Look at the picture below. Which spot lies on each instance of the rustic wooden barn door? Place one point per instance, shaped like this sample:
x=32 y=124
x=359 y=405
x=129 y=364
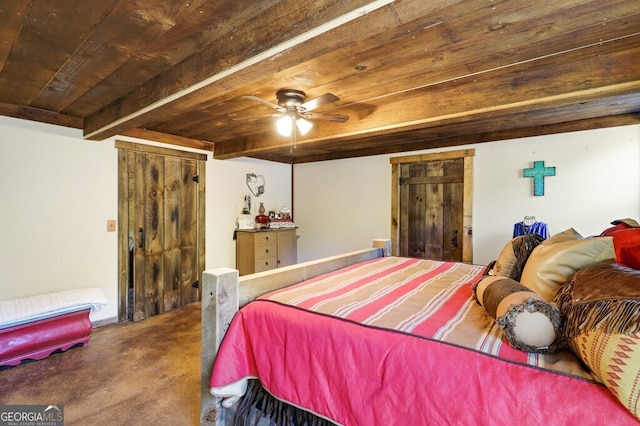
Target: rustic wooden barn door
x=163 y=199
x=431 y=202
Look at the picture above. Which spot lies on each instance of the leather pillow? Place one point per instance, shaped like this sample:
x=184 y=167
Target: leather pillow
x=553 y=263
x=566 y=235
x=529 y=323
x=514 y=255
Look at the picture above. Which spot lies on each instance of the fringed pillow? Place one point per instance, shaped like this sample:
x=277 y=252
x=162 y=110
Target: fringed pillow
x=603 y=293
x=601 y=310
x=514 y=255
x=528 y=321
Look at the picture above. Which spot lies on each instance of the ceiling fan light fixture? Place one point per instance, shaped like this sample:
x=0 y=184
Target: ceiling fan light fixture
x=303 y=125
x=292 y=108
x=284 y=125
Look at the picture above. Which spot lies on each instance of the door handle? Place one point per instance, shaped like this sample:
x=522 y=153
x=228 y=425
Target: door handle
x=454 y=238
x=141 y=243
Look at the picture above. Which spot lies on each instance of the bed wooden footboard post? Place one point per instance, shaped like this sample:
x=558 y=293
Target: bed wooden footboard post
x=384 y=244
x=219 y=305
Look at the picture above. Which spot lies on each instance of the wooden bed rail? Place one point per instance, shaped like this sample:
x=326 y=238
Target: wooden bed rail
x=224 y=292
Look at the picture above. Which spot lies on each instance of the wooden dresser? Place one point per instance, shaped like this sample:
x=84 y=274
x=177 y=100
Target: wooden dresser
x=262 y=250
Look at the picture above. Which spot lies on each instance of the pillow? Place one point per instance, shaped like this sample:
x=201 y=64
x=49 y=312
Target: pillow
x=601 y=310
x=553 y=262
x=602 y=293
x=529 y=323
x=614 y=359
x=626 y=241
x=631 y=223
x=566 y=235
x=514 y=255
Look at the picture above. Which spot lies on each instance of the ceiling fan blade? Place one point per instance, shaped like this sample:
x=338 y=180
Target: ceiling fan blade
x=263 y=102
x=312 y=104
x=254 y=117
x=327 y=117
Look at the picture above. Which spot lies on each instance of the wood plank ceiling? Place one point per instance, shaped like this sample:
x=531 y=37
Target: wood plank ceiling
x=410 y=74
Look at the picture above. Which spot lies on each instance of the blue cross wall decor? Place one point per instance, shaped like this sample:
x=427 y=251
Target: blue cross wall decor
x=538 y=173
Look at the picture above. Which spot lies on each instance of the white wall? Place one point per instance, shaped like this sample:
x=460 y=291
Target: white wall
x=226 y=188
x=597 y=180
x=342 y=205
x=58 y=191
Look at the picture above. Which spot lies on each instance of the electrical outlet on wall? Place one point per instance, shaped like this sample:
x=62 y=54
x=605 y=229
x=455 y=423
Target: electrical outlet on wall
x=111 y=225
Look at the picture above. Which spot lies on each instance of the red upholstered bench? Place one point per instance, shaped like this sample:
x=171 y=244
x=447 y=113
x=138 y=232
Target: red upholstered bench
x=34 y=327
x=38 y=339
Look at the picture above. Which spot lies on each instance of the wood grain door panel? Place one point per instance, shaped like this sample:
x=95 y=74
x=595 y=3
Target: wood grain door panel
x=163 y=197
x=431 y=207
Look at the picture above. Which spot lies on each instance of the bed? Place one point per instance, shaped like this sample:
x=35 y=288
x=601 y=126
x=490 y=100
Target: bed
x=368 y=338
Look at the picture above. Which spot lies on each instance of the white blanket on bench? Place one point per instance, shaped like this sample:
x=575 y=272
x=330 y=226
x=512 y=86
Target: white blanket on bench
x=32 y=308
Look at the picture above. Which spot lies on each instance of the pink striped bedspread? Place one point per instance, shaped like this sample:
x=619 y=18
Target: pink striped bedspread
x=401 y=341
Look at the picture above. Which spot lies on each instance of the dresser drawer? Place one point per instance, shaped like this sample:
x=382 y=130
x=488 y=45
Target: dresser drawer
x=264 y=238
x=266 y=264
x=267 y=250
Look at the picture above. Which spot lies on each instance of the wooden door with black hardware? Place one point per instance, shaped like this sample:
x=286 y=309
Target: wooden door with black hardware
x=165 y=226
x=431 y=217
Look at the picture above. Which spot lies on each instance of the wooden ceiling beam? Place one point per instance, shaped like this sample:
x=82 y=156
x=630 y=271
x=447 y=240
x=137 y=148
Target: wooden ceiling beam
x=469 y=139
x=594 y=73
x=40 y=115
x=168 y=138
x=206 y=22
x=471 y=123
x=416 y=59
x=271 y=34
x=409 y=73
x=581 y=115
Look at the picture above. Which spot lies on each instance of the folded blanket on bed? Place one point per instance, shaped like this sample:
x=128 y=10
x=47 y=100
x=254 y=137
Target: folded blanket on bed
x=31 y=308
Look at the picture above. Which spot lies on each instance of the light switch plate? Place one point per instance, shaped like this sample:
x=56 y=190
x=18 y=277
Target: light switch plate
x=111 y=225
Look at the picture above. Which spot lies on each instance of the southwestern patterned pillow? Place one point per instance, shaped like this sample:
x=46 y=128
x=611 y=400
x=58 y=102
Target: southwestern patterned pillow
x=615 y=359
x=601 y=311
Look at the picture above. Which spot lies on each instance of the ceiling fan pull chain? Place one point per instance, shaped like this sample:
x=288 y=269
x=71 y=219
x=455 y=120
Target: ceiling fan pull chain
x=294 y=131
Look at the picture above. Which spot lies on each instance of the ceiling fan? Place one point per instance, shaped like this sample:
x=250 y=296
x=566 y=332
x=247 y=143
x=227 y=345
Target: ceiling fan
x=292 y=108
